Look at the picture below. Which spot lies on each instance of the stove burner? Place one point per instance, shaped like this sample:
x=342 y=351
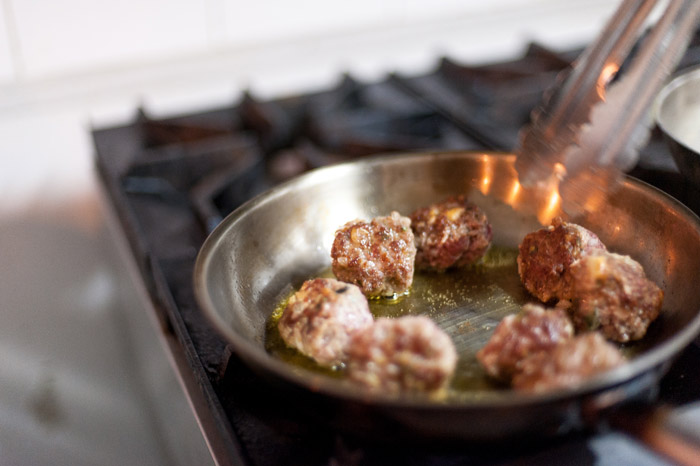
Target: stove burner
x=155 y=133
x=172 y=180
x=194 y=164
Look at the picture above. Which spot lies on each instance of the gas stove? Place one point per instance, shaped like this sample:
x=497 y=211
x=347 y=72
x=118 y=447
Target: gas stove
x=170 y=181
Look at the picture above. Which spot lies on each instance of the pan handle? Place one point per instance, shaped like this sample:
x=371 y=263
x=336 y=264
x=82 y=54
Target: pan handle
x=633 y=408
x=672 y=432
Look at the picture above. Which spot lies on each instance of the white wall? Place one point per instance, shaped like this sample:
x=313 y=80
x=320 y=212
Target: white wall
x=68 y=64
x=42 y=39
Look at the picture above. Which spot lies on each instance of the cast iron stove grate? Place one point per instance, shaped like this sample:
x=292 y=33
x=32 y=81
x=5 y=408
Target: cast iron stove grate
x=171 y=181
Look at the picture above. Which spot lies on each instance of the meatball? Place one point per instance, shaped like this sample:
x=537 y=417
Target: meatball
x=407 y=354
x=452 y=233
x=377 y=256
x=612 y=294
x=567 y=364
x=516 y=337
x=546 y=255
x=321 y=317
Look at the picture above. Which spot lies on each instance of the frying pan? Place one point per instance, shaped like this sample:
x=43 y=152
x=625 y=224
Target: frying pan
x=265 y=249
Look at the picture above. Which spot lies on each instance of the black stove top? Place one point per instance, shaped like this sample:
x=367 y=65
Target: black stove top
x=171 y=181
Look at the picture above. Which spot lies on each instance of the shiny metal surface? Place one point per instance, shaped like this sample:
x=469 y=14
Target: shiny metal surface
x=678 y=116
x=274 y=242
x=593 y=122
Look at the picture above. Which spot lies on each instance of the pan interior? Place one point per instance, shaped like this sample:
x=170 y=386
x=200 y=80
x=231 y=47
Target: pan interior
x=264 y=251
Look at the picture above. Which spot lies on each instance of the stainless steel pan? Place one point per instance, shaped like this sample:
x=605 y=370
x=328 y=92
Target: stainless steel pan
x=273 y=243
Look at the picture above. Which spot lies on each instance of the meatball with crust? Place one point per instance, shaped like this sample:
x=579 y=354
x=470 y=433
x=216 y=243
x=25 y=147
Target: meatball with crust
x=568 y=364
x=452 y=233
x=377 y=256
x=545 y=257
x=533 y=330
x=612 y=294
x=407 y=354
x=322 y=316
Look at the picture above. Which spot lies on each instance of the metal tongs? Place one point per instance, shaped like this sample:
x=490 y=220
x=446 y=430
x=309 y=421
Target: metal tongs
x=591 y=125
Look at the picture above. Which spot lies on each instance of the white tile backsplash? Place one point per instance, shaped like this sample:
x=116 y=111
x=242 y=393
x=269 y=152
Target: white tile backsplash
x=67 y=36
x=412 y=11
x=52 y=39
x=254 y=22
x=7 y=67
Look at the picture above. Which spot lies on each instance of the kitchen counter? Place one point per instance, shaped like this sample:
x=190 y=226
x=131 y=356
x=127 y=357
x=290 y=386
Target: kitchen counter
x=74 y=391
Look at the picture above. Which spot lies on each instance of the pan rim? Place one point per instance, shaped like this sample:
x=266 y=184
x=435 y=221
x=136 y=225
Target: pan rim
x=258 y=358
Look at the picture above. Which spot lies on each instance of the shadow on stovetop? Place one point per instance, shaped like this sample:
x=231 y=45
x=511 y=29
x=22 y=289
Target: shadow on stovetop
x=263 y=414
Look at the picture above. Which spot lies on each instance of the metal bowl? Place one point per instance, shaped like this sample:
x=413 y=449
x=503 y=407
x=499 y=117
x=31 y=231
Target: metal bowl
x=678 y=117
x=271 y=244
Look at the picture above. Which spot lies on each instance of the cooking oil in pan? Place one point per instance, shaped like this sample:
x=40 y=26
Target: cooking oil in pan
x=466 y=303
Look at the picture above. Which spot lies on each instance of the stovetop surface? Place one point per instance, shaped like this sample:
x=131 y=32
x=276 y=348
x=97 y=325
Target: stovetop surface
x=171 y=181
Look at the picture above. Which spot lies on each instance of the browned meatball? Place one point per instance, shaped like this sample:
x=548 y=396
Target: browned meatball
x=546 y=255
x=516 y=337
x=452 y=233
x=613 y=294
x=406 y=354
x=568 y=364
x=321 y=317
x=377 y=256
